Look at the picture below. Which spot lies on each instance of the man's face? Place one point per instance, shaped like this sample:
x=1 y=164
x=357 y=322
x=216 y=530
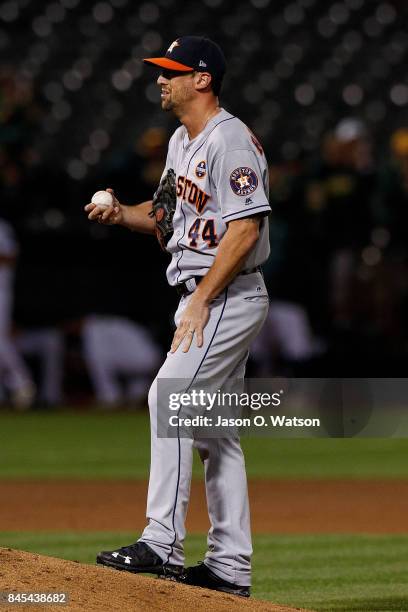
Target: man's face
x=177 y=89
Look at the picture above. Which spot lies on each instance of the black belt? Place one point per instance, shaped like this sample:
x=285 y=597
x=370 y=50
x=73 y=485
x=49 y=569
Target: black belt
x=182 y=288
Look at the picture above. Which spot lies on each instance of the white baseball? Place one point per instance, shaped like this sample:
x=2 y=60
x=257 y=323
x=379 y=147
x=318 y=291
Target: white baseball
x=102 y=198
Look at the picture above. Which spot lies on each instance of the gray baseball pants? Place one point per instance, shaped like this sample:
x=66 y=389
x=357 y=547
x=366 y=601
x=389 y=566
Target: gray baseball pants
x=236 y=317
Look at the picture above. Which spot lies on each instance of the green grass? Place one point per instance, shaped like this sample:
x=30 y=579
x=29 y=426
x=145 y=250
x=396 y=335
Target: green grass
x=325 y=572
x=69 y=444
x=117 y=445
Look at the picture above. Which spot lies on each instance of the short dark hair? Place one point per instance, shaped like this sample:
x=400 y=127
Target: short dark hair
x=216 y=85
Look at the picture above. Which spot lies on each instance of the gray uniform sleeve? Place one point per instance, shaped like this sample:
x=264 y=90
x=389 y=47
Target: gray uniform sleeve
x=238 y=181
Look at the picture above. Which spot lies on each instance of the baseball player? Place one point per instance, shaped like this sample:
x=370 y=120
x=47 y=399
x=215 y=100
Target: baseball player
x=115 y=347
x=210 y=214
x=14 y=374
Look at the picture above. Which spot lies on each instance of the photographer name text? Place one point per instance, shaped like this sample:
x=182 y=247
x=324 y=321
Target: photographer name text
x=257 y=421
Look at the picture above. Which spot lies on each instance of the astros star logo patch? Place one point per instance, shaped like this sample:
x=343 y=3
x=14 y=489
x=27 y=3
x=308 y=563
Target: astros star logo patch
x=243 y=181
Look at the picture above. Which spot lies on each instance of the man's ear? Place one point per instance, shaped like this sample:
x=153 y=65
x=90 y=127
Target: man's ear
x=203 y=80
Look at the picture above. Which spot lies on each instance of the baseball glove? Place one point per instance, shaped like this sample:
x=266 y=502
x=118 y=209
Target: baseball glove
x=164 y=205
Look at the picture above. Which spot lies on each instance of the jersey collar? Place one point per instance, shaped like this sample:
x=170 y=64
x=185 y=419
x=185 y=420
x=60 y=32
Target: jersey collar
x=187 y=143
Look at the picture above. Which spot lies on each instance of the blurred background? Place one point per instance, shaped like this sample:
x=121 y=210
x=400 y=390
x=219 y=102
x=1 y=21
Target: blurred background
x=85 y=311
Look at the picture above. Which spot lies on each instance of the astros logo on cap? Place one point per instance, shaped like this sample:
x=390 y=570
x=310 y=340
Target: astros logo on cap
x=173 y=44
x=243 y=181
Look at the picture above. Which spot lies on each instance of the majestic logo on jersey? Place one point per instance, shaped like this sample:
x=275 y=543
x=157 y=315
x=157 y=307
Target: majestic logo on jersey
x=187 y=190
x=173 y=44
x=243 y=181
x=201 y=169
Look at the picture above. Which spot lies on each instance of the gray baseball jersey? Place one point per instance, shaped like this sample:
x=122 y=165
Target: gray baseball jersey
x=221 y=176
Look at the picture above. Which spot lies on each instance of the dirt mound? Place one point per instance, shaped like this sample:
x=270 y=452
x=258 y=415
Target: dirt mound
x=96 y=589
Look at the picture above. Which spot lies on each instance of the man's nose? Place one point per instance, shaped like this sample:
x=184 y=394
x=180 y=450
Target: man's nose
x=161 y=80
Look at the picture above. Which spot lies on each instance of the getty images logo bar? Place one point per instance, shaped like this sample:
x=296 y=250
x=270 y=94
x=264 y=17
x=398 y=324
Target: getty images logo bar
x=282 y=407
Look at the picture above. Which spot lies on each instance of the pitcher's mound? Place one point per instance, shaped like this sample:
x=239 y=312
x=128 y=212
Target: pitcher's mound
x=96 y=589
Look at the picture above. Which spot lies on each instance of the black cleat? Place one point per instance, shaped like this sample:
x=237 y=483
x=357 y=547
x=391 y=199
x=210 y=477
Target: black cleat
x=137 y=558
x=200 y=575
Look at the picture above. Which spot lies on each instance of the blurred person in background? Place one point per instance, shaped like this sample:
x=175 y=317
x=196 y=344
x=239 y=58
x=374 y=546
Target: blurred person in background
x=18 y=118
x=388 y=253
x=322 y=223
x=45 y=347
x=338 y=192
x=14 y=375
x=287 y=344
x=121 y=357
x=391 y=202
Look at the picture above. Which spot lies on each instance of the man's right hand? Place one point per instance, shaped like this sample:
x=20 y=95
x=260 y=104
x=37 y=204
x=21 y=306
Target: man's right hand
x=111 y=215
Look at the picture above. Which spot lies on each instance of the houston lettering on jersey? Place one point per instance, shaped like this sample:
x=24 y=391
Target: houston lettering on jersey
x=190 y=192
